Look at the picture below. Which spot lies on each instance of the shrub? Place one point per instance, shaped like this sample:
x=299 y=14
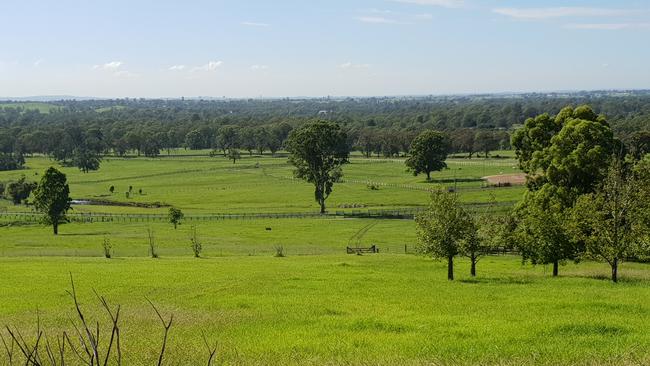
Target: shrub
x=111 y=189
x=195 y=243
x=108 y=248
x=153 y=249
x=279 y=251
x=20 y=190
x=175 y=216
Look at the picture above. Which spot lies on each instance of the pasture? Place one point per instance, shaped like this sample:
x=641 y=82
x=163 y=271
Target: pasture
x=317 y=305
x=335 y=309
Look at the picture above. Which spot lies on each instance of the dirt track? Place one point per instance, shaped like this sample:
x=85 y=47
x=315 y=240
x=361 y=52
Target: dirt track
x=514 y=179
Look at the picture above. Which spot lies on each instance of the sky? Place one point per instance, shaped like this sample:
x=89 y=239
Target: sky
x=294 y=48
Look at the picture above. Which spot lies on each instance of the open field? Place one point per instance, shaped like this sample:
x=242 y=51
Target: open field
x=200 y=184
x=316 y=306
x=336 y=309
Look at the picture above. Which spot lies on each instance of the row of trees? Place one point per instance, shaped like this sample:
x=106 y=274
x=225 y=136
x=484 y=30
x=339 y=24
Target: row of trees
x=588 y=197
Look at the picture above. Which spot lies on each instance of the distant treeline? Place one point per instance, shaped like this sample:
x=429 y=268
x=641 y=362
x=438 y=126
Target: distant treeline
x=80 y=131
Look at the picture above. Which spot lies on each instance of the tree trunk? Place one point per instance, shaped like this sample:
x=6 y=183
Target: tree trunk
x=55 y=227
x=615 y=270
x=555 y=268
x=473 y=269
x=428 y=176
x=322 y=206
x=450 y=268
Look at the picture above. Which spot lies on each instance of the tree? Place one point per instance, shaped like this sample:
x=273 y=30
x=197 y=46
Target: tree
x=175 y=216
x=482 y=235
x=428 y=153
x=248 y=139
x=234 y=155
x=367 y=141
x=639 y=144
x=86 y=159
x=318 y=150
x=20 y=190
x=567 y=151
x=463 y=140
x=541 y=233
x=442 y=228
x=486 y=141
x=228 y=138
x=613 y=221
x=52 y=198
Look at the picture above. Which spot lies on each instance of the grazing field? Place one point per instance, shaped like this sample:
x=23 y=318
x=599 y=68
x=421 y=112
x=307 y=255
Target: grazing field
x=201 y=184
x=336 y=309
x=316 y=305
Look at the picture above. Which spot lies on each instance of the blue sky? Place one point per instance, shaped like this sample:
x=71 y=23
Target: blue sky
x=279 y=48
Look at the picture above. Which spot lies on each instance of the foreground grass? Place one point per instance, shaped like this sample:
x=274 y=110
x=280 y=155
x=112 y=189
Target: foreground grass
x=336 y=309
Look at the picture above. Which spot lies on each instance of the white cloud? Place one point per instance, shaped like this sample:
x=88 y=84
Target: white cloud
x=177 y=68
x=425 y=16
x=443 y=3
x=255 y=24
x=259 y=67
x=608 y=26
x=113 y=65
x=559 y=12
x=210 y=66
x=38 y=63
x=377 y=20
x=350 y=65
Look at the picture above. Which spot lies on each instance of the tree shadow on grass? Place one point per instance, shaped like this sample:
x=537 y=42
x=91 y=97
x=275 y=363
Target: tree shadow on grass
x=85 y=234
x=452 y=180
x=497 y=280
x=608 y=278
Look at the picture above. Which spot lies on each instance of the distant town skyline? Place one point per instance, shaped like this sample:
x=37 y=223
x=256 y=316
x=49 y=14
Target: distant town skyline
x=291 y=48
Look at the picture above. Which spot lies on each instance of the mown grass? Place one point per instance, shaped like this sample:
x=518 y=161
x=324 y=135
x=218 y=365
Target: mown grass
x=335 y=309
x=200 y=184
x=316 y=306
x=218 y=238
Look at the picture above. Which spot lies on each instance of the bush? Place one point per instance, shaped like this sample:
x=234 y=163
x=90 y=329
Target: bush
x=153 y=249
x=20 y=190
x=279 y=251
x=195 y=243
x=108 y=248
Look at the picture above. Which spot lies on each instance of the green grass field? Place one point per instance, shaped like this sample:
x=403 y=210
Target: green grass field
x=41 y=107
x=317 y=305
x=336 y=309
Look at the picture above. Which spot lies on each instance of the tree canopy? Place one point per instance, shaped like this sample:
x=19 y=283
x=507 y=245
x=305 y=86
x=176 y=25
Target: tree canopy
x=52 y=198
x=428 y=153
x=318 y=150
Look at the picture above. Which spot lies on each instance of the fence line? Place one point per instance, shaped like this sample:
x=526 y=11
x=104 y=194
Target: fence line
x=92 y=217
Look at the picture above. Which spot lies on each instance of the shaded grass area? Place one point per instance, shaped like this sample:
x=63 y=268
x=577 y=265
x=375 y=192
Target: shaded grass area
x=335 y=309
